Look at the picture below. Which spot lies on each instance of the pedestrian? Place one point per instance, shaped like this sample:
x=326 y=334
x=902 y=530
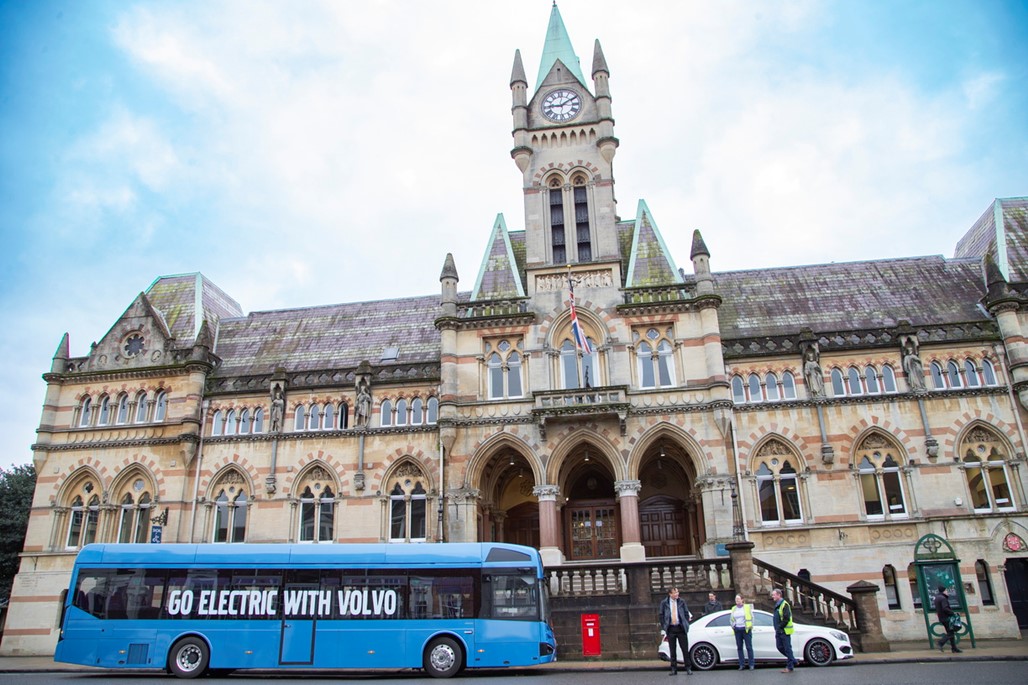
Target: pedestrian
x=712 y=604
x=783 y=629
x=945 y=615
x=742 y=626
x=674 y=623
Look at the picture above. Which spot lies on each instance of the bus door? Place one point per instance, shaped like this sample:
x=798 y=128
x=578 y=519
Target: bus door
x=299 y=611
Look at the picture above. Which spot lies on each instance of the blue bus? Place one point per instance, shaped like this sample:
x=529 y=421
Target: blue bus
x=193 y=609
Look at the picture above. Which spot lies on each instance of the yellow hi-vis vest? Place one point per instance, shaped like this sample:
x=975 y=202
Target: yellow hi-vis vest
x=747 y=610
x=789 y=627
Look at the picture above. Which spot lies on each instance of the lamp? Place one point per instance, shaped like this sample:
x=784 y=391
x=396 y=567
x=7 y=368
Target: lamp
x=587 y=456
x=511 y=462
x=660 y=459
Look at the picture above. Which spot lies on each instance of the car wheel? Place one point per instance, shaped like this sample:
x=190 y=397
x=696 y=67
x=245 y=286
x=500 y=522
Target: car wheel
x=704 y=656
x=188 y=658
x=819 y=652
x=443 y=658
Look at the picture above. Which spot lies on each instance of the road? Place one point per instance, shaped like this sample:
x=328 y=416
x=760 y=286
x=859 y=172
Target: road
x=957 y=673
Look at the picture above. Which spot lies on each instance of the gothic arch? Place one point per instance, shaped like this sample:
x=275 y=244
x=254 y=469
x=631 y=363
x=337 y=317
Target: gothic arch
x=391 y=462
x=858 y=443
x=590 y=323
x=330 y=464
x=242 y=464
x=396 y=468
x=775 y=444
x=75 y=479
x=672 y=434
x=555 y=469
x=149 y=466
x=225 y=476
x=132 y=472
x=859 y=432
x=312 y=468
x=1000 y=433
x=478 y=466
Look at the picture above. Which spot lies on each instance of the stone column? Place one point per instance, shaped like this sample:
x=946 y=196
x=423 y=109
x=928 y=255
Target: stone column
x=463 y=516
x=869 y=620
x=741 y=556
x=631 y=536
x=548 y=525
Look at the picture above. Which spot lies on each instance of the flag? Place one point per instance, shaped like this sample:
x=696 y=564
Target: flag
x=576 y=328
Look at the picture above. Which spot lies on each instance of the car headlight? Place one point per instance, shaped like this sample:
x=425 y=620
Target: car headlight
x=841 y=637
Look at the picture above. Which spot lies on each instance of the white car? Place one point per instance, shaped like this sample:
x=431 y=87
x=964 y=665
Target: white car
x=712 y=641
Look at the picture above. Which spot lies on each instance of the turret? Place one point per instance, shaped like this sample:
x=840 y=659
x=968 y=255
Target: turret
x=448 y=280
x=700 y=256
x=607 y=143
x=60 y=362
x=521 y=153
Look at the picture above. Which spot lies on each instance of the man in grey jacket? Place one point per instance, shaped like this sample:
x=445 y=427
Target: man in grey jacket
x=674 y=622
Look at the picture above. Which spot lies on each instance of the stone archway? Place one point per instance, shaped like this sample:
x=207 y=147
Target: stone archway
x=670 y=520
x=508 y=510
x=591 y=518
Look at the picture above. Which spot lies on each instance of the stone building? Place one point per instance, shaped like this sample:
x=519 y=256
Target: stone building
x=830 y=414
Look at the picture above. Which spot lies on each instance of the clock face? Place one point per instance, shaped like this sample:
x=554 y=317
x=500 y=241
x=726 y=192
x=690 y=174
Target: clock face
x=561 y=105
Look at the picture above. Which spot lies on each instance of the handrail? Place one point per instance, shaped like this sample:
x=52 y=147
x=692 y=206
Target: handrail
x=808 y=597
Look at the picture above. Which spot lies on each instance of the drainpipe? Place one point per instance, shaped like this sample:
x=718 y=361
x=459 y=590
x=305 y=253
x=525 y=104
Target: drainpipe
x=442 y=494
x=199 y=462
x=738 y=481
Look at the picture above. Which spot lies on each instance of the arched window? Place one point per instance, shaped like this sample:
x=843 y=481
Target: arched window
x=344 y=415
x=105 y=411
x=656 y=361
x=788 y=386
x=314 y=417
x=985 y=466
x=938 y=380
x=871 y=380
x=123 y=409
x=218 y=423
x=888 y=379
x=230 y=422
x=300 y=418
x=141 y=407
x=258 y=420
x=838 y=389
x=753 y=388
x=881 y=483
x=417 y=412
x=386 y=413
x=135 y=506
x=328 y=417
x=317 y=501
x=433 y=410
x=738 y=392
x=953 y=375
x=557 y=223
x=84 y=520
x=231 y=506
x=853 y=381
x=971 y=374
x=160 y=410
x=581 y=200
x=245 y=424
x=891 y=590
x=771 y=387
x=777 y=484
x=915 y=589
x=86 y=411
x=401 y=412
x=988 y=372
x=408 y=505
x=981 y=570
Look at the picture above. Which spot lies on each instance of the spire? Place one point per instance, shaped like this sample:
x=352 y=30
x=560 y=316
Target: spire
x=557 y=46
x=517 y=74
x=599 y=61
x=650 y=262
x=498 y=276
x=61 y=355
x=698 y=246
x=449 y=268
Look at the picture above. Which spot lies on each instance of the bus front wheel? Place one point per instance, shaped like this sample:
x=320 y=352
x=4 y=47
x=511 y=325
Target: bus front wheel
x=189 y=658
x=443 y=658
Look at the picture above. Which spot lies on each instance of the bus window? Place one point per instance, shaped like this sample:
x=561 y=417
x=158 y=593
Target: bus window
x=442 y=596
x=511 y=597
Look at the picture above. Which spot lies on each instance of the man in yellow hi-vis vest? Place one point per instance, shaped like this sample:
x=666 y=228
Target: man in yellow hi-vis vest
x=742 y=626
x=783 y=629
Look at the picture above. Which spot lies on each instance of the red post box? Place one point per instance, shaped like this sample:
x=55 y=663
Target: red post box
x=591 y=635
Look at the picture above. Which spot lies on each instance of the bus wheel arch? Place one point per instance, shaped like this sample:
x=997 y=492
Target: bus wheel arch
x=444 y=656
x=189 y=656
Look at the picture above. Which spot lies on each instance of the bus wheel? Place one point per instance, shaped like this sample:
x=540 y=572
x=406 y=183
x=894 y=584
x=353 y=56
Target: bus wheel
x=188 y=658
x=443 y=658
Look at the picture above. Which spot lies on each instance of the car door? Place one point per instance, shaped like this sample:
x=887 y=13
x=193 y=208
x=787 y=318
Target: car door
x=764 y=636
x=718 y=631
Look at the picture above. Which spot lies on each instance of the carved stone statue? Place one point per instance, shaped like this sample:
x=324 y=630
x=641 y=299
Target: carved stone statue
x=278 y=408
x=912 y=366
x=812 y=374
x=362 y=410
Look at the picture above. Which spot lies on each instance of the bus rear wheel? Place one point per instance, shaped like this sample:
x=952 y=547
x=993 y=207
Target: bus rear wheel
x=443 y=658
x=189 y=658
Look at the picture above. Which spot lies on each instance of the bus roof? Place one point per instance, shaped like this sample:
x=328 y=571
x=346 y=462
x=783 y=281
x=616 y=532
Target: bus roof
x=405 y=555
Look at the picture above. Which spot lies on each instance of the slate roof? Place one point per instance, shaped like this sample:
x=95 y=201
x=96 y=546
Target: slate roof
x=1010 y=253
x=650 y=262
x=498 y=277
x=329 y=337
x=849 y=296
x=177 y=299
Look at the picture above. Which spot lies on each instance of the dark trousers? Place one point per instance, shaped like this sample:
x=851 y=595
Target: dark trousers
x=676 y=636
x=744 y=637
x=951 y=637
x=784 y=644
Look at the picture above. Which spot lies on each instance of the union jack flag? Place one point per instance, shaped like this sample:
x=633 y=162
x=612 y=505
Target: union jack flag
x=576 y=328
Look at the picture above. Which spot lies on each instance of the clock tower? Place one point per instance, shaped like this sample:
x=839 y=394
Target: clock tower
x=564 y=144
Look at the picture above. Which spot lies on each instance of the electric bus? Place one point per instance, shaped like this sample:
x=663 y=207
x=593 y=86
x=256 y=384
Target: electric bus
x=194 y=609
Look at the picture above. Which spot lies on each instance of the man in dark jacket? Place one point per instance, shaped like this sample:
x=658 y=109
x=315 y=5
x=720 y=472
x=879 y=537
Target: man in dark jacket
x=784 y=628
x=674 y=622
x=712 y=604
x=944 y=613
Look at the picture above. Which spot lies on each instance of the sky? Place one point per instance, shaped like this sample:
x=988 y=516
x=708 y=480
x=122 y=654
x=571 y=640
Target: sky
x=315 y=152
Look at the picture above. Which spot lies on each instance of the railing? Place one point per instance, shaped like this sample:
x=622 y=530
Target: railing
x=474 y=310
x=805 y=597
x=657 y=294
x=565 y=399
x=596 y=580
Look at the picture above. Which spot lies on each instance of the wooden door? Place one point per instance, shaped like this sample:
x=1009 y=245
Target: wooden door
x=663 y=527
x=593 y=530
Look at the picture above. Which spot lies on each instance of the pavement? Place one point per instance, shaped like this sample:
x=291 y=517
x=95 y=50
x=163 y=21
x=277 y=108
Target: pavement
x=902 y=652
